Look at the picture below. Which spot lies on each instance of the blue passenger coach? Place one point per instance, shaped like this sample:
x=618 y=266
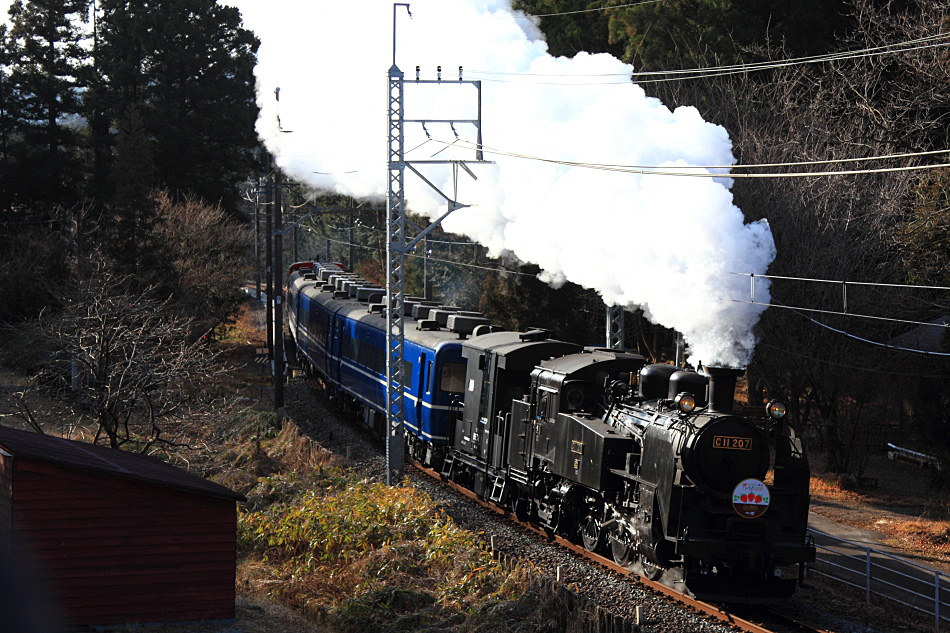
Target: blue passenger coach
x=338 y=324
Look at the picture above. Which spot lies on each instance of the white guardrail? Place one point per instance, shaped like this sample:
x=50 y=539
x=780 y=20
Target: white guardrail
x=882 y=574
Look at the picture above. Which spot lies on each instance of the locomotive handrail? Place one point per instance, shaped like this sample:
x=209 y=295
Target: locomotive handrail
x=901 y=570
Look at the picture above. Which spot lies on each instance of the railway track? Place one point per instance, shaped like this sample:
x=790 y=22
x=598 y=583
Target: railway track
x=757 y=620
x=774 y=620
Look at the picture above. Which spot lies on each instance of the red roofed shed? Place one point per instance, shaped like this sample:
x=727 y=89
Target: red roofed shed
x=122 y=537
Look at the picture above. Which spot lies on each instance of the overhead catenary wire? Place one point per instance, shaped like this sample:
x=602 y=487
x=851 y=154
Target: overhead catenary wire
x=574 y=12
x=664 y=170
x=842 y=281
x=825 y=361
x=428 y=239
x=794 y=309
x=837 y=313
x=862 y=339
x=662 y=76
x=498 y=269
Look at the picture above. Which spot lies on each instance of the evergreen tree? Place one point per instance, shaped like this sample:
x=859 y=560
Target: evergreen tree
x=187 y=67
x=6 y=121
x=572 y=26
x=47 y=59
x=691 y=33
x=132 y=209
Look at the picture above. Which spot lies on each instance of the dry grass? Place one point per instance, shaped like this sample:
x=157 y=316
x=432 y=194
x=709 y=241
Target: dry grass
x=910 y=514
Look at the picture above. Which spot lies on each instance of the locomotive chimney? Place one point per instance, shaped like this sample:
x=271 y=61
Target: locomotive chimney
x=722 y=387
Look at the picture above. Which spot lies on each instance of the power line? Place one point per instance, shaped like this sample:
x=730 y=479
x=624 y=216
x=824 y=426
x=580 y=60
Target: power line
x=844 y=365
x=499 y=269
x=549 y=15
x=869 y=341
x=379 y=230
x=656 y=171
x=834 y=312
x=849 y=283
x=662 y=76
x=735 y=166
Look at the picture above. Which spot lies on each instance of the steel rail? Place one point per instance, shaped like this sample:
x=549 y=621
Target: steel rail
x=712 y=610
x=705 y=608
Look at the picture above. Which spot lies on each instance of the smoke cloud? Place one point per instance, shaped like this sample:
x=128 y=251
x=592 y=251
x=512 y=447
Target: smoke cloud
x=668 y=244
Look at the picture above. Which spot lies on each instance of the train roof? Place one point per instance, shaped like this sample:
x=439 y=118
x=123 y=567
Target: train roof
x=452 y=324
x=591 y=356
x=518 y=349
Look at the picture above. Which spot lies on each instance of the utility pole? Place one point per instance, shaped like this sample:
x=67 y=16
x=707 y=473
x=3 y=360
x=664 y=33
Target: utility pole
x=426 y=277
x=269 y=256
x=351 y=261
x=398 y=245
x=257 y=237
x=278 y=295
x=615 y=329
x=294 y=218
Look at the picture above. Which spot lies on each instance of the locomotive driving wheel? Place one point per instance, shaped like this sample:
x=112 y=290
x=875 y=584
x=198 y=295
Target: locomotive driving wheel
x=623 y=547
x=651 y=570
x=592 y=536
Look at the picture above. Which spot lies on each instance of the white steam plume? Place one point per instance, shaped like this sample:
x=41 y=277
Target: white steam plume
x=665 y=243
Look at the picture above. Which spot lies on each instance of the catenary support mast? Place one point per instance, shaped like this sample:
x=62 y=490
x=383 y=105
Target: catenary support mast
x=399 y=243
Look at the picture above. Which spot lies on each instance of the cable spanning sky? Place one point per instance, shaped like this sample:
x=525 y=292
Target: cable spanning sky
x=664 y=243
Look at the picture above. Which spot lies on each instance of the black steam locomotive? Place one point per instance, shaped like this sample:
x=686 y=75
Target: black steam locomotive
x=646 y=463
x=664 y=476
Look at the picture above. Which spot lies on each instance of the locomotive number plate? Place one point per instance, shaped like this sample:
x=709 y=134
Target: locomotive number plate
x=734 y=443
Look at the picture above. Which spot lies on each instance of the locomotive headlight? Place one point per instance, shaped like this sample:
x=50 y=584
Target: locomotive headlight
x=776 y=410
x=685 y=402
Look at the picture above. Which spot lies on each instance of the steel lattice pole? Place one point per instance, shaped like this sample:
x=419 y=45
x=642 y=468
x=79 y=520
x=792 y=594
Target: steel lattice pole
x=395 y=283
x=615 y=333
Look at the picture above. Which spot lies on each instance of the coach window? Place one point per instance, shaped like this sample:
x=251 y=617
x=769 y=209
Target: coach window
x=452 y=378
x=429 y=377
x=365 y=353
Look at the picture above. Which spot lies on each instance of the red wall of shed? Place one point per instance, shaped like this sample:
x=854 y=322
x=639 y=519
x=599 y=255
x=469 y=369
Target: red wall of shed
x=120 y=551
x=6 y=502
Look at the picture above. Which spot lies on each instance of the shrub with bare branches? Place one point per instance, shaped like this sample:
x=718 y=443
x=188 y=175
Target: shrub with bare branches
x=126 y=360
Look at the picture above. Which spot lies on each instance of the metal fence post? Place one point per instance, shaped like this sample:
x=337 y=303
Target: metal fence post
x=868 y=567
x=936 y=600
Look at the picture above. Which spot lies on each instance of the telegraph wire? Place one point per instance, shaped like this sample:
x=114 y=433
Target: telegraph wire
x=548 y=15
x=848 y=283
x=836 y=313
x=377 y=229
x=844 y=365
x=907 y=46
x=914 y=44
x=499 y=269
x=796 y=310
x=655 y=171
x=737 y=166
x=862 y=339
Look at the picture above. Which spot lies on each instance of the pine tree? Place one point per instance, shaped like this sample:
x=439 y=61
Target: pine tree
x=187 y=67
x=47 y=60
x=7 y=98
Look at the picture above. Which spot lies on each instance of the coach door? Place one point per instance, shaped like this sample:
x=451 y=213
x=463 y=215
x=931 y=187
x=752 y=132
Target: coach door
x=336 y=348
x=421 y=390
